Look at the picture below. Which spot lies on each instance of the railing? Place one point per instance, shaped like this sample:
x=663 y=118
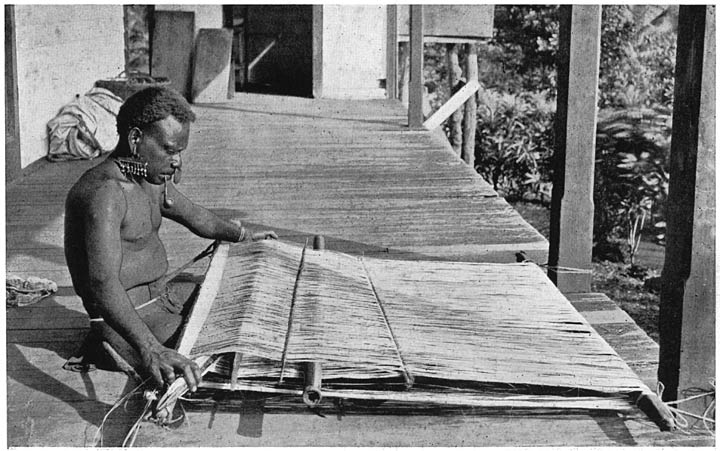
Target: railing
x=462 y=126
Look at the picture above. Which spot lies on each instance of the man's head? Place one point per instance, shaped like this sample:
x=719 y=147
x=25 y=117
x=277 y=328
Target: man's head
x=151 y=105
x=153 y=125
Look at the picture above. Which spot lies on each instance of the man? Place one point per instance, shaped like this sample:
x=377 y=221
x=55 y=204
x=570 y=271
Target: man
x=116 y=259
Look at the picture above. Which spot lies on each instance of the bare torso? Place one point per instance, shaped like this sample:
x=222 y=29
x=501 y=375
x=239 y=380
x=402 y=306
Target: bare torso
x=144 y=259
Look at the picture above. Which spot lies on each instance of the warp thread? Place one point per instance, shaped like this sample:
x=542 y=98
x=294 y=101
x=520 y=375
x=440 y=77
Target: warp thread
x=98 y=438
x=680 y=415
x=150 y=397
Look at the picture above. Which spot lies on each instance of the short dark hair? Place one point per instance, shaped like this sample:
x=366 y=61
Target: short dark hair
x=151 y=105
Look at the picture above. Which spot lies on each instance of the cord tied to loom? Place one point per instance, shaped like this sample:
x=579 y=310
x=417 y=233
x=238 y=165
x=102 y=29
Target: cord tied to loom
x=680 y=415
x=521 y=257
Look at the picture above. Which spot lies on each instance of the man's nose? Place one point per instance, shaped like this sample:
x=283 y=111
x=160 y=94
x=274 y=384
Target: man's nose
x=176 y=162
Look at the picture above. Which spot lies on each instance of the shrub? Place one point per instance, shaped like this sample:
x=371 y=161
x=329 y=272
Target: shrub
x=514 y=143
x=631 y=180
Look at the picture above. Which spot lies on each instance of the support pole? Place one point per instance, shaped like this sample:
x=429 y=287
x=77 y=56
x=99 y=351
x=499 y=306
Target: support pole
x=681 y=292
x=416 y=89
x=470 y=117
x=454 y=76
x=404 y=73
x=391 y=77
x=697 y=344
x=571 y=217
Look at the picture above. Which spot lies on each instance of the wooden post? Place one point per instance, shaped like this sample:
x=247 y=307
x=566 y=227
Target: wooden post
x=470 y=118
x=697 y=344
x=404 y=72
x=571 y=217
x=685 y=289
x=391 y=77
x=416 y=89
x=317 y=50
x=454 y=76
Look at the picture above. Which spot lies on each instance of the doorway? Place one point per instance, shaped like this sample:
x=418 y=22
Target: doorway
x=273 y=48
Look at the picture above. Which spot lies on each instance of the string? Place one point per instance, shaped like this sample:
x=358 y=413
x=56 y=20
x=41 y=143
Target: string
x=98 y=438
x=150 y=397
x=566 y=269
x=680 y=415
x=524 y=259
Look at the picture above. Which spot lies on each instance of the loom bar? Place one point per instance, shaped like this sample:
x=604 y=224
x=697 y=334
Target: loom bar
x=451 y=399
x=312 y=394
x=656 y=410
x=189 y=334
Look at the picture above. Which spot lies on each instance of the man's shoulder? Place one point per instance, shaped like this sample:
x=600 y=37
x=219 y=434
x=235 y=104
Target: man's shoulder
x=96 y=185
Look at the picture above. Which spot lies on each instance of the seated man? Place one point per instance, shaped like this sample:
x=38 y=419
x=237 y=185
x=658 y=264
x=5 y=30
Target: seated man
x=116 y=259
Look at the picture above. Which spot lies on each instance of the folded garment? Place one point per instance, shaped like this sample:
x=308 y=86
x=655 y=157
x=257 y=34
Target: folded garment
x=20 y=292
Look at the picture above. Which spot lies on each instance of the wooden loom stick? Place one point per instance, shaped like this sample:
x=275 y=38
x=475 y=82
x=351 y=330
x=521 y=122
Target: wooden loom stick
x=409 y=378
x=283 y=360
x=312 y=394
x=656 y=410
x=601 y=403
x=191 y=330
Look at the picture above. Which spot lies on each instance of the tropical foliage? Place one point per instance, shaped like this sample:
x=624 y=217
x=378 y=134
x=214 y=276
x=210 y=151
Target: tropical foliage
x=516 y=110
x=514 y=143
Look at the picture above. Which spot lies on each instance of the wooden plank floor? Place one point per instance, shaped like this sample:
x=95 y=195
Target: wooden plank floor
x=350 y=171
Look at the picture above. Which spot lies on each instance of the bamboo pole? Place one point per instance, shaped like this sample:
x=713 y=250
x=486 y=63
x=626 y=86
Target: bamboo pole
x=454 y=76
x=312 y=393
x=470 y=119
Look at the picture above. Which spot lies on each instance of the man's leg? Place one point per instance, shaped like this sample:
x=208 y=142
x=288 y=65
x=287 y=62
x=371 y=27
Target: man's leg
x=164 y=318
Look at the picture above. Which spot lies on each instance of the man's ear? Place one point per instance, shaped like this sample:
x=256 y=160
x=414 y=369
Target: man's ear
x=134 y=137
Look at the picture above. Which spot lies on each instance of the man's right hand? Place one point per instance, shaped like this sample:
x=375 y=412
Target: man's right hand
x=163 y=363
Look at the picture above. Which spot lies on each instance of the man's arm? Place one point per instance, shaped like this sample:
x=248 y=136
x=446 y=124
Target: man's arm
x=205 y=223
x=104 y=213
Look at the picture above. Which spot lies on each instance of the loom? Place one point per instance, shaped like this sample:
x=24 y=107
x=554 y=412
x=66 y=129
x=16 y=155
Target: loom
x=273 y=317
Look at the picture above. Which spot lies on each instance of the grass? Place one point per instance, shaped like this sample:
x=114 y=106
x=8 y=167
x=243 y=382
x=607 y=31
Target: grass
x=621 y=282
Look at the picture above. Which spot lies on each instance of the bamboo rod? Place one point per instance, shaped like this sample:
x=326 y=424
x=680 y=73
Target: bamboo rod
x=455 y=82
x=283 y=360
x=449 y=399
x=312 y=394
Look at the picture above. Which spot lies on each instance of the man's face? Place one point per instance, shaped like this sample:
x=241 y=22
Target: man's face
x=160 y=145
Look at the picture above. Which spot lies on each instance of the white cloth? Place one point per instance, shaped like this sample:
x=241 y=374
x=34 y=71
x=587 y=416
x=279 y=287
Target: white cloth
x=85 y=127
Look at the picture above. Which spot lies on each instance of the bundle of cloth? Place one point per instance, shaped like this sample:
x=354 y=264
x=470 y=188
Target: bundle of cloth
x=20 y=292
x=85 y=127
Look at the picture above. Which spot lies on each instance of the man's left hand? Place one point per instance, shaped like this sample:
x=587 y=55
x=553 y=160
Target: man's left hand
x=269 y=235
